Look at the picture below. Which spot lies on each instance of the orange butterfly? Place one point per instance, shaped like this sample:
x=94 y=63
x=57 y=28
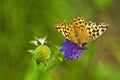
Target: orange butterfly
x=80 y=32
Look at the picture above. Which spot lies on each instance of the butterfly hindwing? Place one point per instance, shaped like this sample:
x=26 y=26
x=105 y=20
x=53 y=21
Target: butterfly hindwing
x=96 y=31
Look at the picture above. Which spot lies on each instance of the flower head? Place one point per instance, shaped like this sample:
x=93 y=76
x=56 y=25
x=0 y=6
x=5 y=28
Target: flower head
x=44 y=55
x=72 y=50
x=42 y=52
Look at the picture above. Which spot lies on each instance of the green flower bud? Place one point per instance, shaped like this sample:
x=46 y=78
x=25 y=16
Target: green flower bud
x=42 y=54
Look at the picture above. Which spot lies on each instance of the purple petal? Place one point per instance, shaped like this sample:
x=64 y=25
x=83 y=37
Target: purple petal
x=83 y=48
x=72 y=50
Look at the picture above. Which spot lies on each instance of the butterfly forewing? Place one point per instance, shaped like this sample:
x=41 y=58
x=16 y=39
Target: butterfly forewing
x=66 y=31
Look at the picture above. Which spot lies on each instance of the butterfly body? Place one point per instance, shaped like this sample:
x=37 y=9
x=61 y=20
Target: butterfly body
x=79 y=31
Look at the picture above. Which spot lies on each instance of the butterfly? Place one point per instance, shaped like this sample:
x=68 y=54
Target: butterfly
x=80 y=31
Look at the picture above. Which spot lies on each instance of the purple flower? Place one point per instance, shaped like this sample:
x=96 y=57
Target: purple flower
x=72 y=50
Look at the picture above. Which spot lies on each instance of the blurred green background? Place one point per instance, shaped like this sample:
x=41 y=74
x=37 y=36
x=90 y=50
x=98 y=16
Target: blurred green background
x=21 y=20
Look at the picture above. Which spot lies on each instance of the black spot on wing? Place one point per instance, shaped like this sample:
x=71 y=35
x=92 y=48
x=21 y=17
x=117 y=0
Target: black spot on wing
x=80 y=22
x=90 y=32
x=102 y=30
x=88 y=28
x=97 y=34
x=93 y=30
